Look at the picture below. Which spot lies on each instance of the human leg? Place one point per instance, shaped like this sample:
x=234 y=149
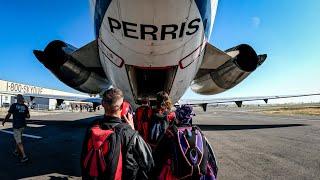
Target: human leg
x=17 y=133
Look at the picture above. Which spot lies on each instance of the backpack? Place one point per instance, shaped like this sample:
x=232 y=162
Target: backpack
x=159 y=124
x=142 y=121
x=104 y=157
x=189 y=157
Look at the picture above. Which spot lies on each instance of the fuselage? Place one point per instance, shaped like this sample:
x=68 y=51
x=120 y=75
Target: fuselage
x=146 y=46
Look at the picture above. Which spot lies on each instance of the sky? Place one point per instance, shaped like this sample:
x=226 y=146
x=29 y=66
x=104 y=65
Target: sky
x=286 y=30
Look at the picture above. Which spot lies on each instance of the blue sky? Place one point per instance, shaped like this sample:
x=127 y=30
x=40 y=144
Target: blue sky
x=287 y=30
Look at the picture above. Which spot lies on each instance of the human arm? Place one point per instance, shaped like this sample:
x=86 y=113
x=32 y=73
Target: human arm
x=6 y=118
x=10 y=112
x=143 y=156
x=27 y=113
x=135 y=120
x=129 y=119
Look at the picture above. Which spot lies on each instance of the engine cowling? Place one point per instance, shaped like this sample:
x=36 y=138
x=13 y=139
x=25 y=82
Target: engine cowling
x=57 y=58
x=229 y=74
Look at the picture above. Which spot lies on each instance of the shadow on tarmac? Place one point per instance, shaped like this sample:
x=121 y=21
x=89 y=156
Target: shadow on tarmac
x=58 y=152
x=210 y=127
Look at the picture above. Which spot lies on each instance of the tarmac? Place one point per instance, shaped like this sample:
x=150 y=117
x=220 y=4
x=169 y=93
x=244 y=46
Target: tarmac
x=248 y=145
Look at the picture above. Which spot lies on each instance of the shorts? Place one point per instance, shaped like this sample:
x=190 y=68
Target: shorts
x=17 y=134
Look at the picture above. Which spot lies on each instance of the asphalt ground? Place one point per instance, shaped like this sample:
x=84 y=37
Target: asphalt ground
x=248 y=145
x=55 y=156
x=258 y=146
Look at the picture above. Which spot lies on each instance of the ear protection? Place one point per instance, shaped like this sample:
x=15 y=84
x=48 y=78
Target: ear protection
x=126 y=108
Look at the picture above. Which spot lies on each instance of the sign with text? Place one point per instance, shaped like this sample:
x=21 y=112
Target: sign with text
x=21 y=88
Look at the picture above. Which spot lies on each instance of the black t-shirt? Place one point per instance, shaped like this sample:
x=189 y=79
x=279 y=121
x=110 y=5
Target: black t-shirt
x=19 y=112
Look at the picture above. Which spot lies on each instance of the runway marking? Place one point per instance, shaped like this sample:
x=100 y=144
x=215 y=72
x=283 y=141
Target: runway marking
x=25 y=135
x=8 y=124
x=35 y=125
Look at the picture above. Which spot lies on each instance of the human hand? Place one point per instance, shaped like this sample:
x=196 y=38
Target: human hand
x=129 y=119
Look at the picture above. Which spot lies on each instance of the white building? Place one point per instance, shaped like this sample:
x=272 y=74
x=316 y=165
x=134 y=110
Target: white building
x=34 y=95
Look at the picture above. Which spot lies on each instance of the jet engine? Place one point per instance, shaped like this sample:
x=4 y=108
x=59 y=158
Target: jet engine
x=58 y=58
x=230 y=73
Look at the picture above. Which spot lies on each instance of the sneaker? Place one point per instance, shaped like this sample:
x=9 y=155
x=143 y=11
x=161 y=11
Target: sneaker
x=25 y=159
x=15 y=153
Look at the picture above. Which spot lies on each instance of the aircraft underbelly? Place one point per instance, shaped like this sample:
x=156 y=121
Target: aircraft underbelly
x=141 y=39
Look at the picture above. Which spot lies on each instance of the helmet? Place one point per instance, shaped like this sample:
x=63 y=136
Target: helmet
x=126 y=108
x=184 y=114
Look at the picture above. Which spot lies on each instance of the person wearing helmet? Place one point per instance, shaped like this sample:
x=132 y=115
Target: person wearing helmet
x=112 y=149
x=20 y=112
x=184 y=152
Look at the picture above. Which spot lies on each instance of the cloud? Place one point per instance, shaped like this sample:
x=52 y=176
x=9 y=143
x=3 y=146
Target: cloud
x=256 y=21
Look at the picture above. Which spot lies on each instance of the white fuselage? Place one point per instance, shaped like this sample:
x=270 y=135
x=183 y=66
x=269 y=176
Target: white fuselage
x=137 y=38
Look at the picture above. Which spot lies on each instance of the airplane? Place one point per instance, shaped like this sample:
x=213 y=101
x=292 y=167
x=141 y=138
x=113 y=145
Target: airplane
x=237 y=100
x=143 y=47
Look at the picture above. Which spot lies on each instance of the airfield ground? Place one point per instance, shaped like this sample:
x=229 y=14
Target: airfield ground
x=249 y=144
x=305 y=110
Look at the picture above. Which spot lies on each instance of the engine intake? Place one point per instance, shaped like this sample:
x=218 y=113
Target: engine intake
x=247 y=59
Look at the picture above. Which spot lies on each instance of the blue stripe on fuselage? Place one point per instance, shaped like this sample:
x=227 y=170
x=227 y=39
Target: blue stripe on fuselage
x=204 y=7
x=99 y=12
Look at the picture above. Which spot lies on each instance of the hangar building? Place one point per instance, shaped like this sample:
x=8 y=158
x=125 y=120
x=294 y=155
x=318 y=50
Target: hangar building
x=40 y=97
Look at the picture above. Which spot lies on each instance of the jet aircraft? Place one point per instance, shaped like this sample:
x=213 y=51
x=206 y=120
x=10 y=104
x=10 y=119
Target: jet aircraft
x=144 y=47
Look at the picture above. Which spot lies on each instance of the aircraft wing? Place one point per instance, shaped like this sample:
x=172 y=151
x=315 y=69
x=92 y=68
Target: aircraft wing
x=88 y=56
x=78 y=68
x=222 y=70
x=65 y=98
x=214 y=57
x=238 y=100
